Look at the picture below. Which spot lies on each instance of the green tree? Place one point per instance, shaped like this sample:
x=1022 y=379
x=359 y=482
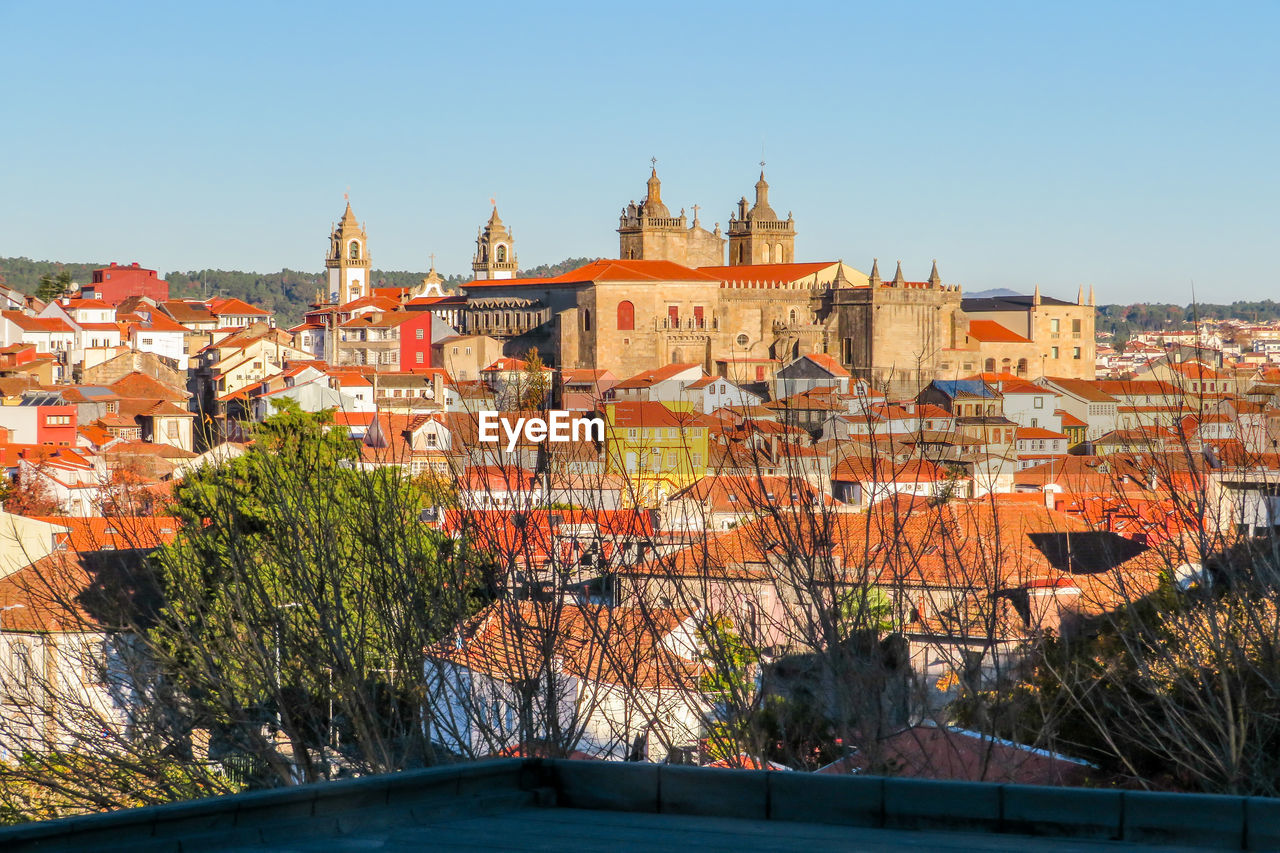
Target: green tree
x=300 y=597
x=54 y=285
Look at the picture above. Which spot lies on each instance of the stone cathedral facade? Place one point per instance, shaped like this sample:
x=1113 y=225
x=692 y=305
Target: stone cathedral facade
x=738 y=303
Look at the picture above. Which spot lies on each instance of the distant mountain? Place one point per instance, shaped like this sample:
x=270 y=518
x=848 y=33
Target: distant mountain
x=988 y=294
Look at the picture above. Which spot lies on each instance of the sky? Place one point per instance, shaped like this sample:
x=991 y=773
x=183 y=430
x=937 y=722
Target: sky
x=1128 y=146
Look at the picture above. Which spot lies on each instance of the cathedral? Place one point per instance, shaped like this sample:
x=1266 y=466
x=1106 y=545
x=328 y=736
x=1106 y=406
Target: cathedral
x=737 y=303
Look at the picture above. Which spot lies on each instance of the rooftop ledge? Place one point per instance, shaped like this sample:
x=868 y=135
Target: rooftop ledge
x=540 y=804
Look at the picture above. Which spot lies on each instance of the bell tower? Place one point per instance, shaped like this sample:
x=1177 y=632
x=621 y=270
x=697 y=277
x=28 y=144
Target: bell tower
x=495 y=250
x=348 y=262
x=758 y=236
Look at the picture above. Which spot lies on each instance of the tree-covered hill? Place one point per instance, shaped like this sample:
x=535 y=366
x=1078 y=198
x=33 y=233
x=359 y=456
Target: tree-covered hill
x=548 y=270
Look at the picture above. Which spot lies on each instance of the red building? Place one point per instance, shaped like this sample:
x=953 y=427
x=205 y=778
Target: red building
x=115 y=283
x=415 y=340
x=56 y=425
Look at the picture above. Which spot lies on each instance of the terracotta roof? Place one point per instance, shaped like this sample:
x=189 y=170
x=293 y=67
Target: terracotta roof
x=989 y=331
x=932 y=752
x=652 y=414
x=768 y=272
x=827 y=363
x=141 y=385
x=159 y=322
x=1036 y=433
x=36 y=324
x=1082 y=388
x=649 y=378
x=612 y=645
x=236 y=307
x=608 y=270
x=858 y=469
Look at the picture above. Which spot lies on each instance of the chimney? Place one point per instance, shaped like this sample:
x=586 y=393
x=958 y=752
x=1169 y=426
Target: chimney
x=1051 y=495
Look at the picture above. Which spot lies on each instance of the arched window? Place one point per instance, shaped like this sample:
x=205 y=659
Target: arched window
x=764 y=255
x=990 y=366
x=1022 y=367
x=626 y=316
x=353 y=251
x=791 y=318
x=502 y=254
x=739 y=254
x=586 y=319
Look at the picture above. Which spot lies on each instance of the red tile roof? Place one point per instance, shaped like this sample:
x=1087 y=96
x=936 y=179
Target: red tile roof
x=235 y=306
x=989 y=331
x=760 y=273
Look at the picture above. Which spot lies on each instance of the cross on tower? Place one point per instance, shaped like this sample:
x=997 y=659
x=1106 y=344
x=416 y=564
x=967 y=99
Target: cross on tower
x=654 y=161
x=695 y=213
x=761 y=165
x=433 y=260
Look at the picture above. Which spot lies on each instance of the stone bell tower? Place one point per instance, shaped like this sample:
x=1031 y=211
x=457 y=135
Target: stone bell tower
x=348 y=262
x=758 y=236
x=495 y=250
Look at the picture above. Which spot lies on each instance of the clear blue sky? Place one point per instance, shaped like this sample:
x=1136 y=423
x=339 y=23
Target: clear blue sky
x=1132 y=146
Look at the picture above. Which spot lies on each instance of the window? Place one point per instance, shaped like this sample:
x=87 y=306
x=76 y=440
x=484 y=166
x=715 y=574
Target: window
x=1053 y=352
x=172 y=429
x=353 y=251
x=1039 y=403
x=146 y=342
x=673 y=316
x=502 y=254
x=586 y=319
x=626 y=316
x=1075 y=353
x=417 y=333
x=468 y=351
x=1035 y=422
x=455 y=351
x=1054 y=324
x=743 y=340
x=631 y=432
x=1075 y=327
x=417 y=357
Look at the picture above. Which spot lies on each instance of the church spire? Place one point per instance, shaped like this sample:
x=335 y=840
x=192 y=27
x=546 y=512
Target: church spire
x=874 y=279
x=1091 y=302
x=1035 y=299
x=934 y=278
x=652 y=205
x=898 y=280
x=1080 y=295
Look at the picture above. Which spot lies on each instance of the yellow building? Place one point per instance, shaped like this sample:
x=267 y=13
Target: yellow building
x=659 y=448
